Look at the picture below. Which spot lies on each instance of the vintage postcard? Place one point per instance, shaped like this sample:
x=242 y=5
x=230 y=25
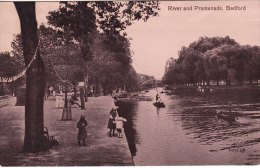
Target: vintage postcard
x=130 y=83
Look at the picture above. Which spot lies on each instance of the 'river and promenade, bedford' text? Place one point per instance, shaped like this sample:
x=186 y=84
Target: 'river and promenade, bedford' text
x=207 y=8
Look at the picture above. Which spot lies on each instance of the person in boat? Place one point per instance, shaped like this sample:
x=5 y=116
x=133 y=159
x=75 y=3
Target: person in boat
x=157 y=98
x=231 y=118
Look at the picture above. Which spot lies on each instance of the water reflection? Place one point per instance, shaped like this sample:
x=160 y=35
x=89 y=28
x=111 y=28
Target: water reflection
x=128 y=111
x=188 y=128
x=204 y=126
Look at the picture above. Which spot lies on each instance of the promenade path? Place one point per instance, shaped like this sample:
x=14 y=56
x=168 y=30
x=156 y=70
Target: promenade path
x=7 y=100
x=100 y=150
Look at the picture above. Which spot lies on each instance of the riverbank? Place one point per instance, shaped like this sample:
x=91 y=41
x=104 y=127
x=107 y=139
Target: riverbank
x=215 y=87
x=100 y=149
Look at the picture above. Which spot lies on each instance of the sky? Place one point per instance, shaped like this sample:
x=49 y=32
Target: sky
x=160 y=38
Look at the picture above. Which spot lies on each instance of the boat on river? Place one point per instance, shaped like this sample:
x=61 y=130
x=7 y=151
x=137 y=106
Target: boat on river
x=227 y=117
x=159 y=104
x=145 y=98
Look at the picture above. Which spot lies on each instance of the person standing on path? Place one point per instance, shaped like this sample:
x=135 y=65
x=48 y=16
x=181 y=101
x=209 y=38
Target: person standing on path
x=50 y=90
x=82 y=133
x=61 y=100
x=57 y=100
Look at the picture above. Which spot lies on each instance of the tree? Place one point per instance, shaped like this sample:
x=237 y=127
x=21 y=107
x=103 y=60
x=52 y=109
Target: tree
x=53 y=52
x=252 y=67
x=34 y=139
x=82 y=20
x=215 y=59
x=206 y=43
x=9 y=67
x=105 y=70
x=216 y=65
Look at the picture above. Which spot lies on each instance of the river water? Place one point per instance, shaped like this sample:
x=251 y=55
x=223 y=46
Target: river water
x=187 y=131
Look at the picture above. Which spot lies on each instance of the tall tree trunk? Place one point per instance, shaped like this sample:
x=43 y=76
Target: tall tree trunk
x=34 y=140
x=82 y=98
x=75 y=90
x=86 y=90
x=86 y=84
x=2 y=89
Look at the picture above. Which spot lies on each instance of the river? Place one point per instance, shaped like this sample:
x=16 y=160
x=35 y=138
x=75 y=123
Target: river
x=187 y=131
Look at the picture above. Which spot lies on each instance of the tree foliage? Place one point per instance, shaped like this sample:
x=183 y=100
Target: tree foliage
x=111 y=66
x=80 y=20
x=98 y=28
x=217 y=59
x=55 y=54
x=85 y=37
x=9 y=67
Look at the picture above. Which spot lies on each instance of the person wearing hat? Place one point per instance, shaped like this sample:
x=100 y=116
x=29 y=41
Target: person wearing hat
x=82 y=134
x=111 y=121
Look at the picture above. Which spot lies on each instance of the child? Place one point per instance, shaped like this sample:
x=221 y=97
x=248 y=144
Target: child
x=111 y=122
x=82 y=134
x=119 y=125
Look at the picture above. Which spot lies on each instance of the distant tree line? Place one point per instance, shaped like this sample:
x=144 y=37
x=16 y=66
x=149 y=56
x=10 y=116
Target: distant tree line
x=146 y=81
x=213 y=60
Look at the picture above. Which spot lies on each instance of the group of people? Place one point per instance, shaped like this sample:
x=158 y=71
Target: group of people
x=115 y=122
x=59 y=100
x=52 y=92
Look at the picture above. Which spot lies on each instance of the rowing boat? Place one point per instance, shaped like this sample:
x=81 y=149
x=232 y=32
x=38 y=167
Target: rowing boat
x=159 y=104
x=226 y=117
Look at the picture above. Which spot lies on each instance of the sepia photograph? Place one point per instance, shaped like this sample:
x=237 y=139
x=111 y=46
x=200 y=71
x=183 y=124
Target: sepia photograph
x=130 y=83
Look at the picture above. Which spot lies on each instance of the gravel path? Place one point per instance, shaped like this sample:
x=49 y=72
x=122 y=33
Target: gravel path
x=99 y=150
